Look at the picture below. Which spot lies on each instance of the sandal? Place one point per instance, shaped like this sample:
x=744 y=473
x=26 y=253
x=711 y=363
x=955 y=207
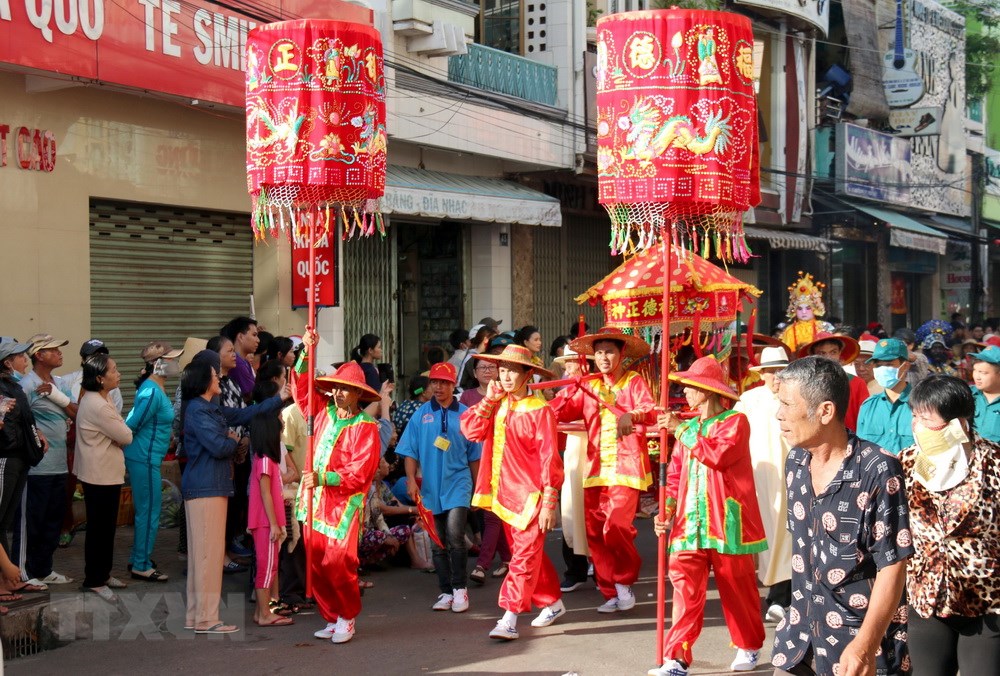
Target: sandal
x=152 y=575
x=282 y=621
x=232 y=567
x=30 y=588
x=478 y=575
x=283 y=609
x=365 y=584
x=501 y=570
x=218 y=628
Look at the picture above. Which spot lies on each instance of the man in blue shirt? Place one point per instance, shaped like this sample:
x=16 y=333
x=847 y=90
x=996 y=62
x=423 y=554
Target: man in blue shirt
x=986 y=393
x=885 y=418
x=44 y=507
x=448 y=463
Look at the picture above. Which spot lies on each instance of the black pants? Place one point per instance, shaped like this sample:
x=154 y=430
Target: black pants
x=13 y=477
x=292 y=572
x=943 y=646
x=576 y=564
x=102 y=520
x=41 y=520
x=779 y=594
x=237 y=510
x=452 y=563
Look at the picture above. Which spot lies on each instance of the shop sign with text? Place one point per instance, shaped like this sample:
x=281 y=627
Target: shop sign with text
x=193 y=49
x=27 y=148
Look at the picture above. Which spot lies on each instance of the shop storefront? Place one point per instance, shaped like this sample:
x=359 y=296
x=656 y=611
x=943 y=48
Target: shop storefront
x=125 y=202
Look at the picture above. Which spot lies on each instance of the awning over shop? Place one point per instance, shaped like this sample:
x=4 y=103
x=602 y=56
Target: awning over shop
x=960 y=225
x=906 y=232
x=783 y=239
x=436 y=194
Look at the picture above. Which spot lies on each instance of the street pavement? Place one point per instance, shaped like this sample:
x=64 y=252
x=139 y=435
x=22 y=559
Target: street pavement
x=397 y=633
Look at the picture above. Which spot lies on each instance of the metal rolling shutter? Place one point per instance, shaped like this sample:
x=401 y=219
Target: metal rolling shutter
x=569 y=260
x=164 y=273
x=369 y=292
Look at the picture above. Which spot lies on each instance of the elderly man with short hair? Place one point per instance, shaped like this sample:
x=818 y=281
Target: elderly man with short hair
x=849 y=522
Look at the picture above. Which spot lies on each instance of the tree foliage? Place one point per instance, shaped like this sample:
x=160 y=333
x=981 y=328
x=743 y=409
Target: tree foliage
x=981 y=46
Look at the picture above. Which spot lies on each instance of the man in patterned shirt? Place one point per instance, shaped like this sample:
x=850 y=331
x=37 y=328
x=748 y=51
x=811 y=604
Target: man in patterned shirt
x=849 y=522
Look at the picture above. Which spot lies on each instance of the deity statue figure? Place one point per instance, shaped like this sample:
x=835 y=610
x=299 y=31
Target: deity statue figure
x=805 y=304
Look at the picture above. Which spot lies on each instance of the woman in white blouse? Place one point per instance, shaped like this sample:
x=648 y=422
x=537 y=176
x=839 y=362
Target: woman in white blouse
x=100 y=466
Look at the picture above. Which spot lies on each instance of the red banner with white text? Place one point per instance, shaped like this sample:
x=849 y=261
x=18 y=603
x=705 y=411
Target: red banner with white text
x=192 y=49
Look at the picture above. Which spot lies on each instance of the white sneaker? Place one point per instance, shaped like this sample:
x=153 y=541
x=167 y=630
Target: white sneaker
x=444 y=602
x=669 y=668
x=56 y=578
x=775 y=614
x=504 y=632
x=626 y=599
x=343 y=631
x=326 y=633
x=549 y=614
x=746 y=660
x=610 y=606
x=460 y=601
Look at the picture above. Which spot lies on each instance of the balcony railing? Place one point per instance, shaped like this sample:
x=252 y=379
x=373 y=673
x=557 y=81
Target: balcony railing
x=504 y=73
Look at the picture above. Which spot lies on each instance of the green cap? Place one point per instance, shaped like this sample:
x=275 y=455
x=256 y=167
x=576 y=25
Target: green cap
x=990 y=355
x=889 y=349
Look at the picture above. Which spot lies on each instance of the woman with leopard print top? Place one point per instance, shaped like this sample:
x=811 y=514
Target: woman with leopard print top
x=953 y=487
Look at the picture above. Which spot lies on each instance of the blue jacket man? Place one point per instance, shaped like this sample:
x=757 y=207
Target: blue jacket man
x=448 y=462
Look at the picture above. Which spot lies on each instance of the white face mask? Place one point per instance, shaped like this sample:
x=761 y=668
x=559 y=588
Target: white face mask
x=166 y=368
x=941 y=462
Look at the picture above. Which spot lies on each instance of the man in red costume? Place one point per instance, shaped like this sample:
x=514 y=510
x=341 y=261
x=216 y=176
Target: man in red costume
x=345 y=458
x=618 y=462
x=710 y=488
x=520 y=473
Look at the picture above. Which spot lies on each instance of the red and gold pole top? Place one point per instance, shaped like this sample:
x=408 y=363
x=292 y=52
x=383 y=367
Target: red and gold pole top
x=677 y=124
x=316 y=135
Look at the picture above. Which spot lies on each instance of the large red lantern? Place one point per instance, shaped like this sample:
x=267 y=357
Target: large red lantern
x=316 y=145
x=316 y=139
x=677 y=128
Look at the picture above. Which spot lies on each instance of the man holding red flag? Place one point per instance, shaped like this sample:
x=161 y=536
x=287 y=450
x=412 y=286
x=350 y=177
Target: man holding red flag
x=611 y=408
x=345 y=459
x=433 y=442
x=520 y=474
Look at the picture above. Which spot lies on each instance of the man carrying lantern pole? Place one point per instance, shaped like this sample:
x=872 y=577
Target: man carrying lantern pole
x=618 y=464
x=677 y=154
x=307 y=172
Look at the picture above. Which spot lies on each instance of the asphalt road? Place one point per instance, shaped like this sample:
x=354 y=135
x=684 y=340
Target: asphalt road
x=397 y=633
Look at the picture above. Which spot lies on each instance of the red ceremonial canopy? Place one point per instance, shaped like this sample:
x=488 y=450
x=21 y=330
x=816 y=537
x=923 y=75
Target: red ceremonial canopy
x=316 y=138
x=677 y=128
x=700 y=292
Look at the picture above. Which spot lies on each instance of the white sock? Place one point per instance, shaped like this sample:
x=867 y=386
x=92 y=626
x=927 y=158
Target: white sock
x=511 y=619
x=624 y=591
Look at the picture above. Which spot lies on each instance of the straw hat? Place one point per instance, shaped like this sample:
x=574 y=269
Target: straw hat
x=633 y=347
x=192 y=346
x=772 y=358
x=849 y=348
x=705 y=374
x=351 y=375
x=514 y=354
x=569 y=354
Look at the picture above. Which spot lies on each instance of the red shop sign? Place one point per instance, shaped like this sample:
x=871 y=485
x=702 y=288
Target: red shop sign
x=193 y=49
x=326 y=272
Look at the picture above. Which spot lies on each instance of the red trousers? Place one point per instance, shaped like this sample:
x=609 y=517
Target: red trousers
x=737 y=581
x=532 y=579
x=610 y=513
x=334 y=565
